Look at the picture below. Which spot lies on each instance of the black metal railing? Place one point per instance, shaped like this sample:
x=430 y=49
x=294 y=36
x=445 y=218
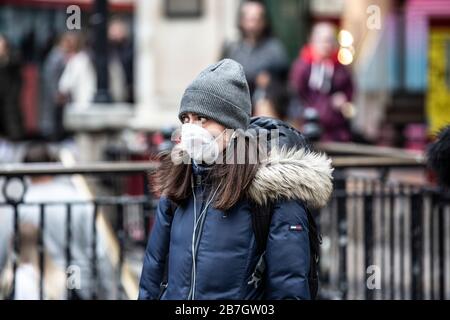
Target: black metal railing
x=383 y=239
x=16 y=202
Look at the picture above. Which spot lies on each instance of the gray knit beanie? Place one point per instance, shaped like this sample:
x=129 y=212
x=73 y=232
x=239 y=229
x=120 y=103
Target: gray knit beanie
x=220 y=92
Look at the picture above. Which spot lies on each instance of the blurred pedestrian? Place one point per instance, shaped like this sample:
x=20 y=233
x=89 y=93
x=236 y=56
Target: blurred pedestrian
x=325 y=84
x=205 y=240
x=27 y=277
x=258 y=51
x=120 y=56
x=11 y=121
x=78 y=82
x=54 y=192
x=52 y=103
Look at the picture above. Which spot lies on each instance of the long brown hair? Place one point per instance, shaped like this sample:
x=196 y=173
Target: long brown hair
x=230 y=177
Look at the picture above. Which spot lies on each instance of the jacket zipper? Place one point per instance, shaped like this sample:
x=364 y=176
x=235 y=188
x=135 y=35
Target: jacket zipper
x=196 y=240
x=196 y=236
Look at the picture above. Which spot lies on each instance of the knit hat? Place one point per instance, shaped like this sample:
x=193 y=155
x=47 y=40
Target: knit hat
x=220 y=92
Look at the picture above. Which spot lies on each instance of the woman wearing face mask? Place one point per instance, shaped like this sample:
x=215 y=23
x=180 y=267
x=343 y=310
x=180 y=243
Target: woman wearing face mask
x=203 y=245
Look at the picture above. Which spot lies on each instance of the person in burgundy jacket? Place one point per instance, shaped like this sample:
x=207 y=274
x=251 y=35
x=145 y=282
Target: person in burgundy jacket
x=324 y=84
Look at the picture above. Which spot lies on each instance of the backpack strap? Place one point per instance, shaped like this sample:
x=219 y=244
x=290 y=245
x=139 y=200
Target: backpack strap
x=261 y=218
x=258 y=273
x=315 y=240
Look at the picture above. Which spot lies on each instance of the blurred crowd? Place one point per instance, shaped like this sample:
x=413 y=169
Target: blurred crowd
x=67 y=74
x=315 y=90
x=314 y=93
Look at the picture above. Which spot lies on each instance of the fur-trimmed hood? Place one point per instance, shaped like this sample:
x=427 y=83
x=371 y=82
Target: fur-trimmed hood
x=293 y=174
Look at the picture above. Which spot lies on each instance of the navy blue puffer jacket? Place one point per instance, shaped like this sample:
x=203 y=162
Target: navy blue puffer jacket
x=223 y=243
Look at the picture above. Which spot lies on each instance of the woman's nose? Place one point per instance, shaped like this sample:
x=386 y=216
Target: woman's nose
x=196 y=122
x=191 y=120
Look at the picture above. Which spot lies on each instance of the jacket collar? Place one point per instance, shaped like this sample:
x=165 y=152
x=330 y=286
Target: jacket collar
x=293 y=174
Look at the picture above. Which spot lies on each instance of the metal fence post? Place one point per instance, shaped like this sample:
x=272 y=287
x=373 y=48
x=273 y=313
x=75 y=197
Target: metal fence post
x=417 y=244
x=368 y=233
x=340 y=189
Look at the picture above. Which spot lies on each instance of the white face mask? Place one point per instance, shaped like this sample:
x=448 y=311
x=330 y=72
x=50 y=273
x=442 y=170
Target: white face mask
x=199 y=143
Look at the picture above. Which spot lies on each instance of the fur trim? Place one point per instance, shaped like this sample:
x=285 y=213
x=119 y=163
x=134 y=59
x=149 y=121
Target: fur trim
x=293 y=174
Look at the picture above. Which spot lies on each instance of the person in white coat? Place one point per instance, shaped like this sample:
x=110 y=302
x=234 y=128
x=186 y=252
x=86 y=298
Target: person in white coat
x=48 y=189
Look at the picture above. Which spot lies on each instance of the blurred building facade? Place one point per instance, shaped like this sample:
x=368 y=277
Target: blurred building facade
x=399 y=56
x=402 y=67
x=172 y=48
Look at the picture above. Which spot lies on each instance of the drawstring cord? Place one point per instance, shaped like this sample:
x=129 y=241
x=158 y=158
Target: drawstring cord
x=195 y=228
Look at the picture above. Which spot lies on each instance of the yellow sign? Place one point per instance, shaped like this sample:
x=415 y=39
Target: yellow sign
x=438 y=97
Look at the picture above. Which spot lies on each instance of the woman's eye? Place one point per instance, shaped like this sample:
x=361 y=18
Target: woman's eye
x=202 y=119
x=185 y=119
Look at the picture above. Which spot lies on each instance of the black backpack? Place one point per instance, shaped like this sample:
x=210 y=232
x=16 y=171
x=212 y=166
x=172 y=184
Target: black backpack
x=261 y=218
